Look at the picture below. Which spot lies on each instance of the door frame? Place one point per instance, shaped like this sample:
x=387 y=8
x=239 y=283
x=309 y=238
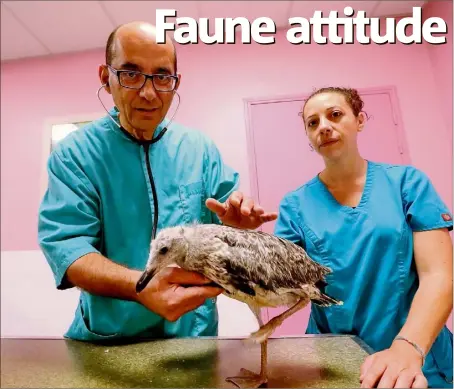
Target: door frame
x=389 y=90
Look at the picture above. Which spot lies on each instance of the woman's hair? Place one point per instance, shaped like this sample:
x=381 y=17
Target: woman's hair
x=351 y=96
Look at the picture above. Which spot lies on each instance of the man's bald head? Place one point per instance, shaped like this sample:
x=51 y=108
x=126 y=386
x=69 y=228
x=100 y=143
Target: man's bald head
x=132 y=49
x=142 y=29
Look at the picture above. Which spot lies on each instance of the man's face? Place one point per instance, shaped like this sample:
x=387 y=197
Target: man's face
x=141 y=110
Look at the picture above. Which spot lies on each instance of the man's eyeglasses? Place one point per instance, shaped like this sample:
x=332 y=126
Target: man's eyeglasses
x=136 y=80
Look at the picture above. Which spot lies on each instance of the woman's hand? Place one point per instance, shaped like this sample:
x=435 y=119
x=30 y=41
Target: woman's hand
x=397 y=367
x=240 y=211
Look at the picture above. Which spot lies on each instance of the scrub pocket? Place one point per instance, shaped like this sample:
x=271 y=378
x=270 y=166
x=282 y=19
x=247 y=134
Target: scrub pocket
x=85 y=333
x=192 y=198
x=206 y=319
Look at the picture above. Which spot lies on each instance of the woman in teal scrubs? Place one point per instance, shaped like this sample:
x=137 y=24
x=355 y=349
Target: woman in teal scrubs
x=383 y=230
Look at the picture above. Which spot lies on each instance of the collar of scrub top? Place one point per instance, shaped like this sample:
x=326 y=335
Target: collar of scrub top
x=114 y=113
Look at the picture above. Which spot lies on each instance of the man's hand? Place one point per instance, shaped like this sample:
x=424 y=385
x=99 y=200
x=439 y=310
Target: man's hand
x=174 y=292
x=239 y=211
x=397 y=367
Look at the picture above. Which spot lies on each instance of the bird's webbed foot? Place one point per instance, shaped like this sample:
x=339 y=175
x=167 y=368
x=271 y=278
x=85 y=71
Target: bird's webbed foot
x=248 y=379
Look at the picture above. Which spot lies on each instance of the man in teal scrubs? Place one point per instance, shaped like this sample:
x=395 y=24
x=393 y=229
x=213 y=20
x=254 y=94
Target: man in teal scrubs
x=116 y=182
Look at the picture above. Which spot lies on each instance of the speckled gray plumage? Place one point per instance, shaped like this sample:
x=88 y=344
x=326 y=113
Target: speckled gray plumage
x=257 y=268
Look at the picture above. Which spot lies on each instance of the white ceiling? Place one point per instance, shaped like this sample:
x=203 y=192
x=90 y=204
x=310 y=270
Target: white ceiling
x=39 y=28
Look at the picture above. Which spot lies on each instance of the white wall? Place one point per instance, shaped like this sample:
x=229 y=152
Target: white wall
x=31 y=306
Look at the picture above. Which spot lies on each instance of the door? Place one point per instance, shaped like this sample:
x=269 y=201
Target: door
x=283 y=160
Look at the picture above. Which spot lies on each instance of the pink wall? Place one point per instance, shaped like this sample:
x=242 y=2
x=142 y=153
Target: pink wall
x=32 y=91
x=441 y=59
x=213 y=88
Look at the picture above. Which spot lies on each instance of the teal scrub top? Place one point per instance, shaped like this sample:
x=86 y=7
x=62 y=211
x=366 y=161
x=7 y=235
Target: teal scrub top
x=100 y=199
x=370 y=250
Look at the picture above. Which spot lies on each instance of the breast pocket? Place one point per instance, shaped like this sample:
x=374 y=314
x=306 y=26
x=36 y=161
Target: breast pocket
x=192 y=198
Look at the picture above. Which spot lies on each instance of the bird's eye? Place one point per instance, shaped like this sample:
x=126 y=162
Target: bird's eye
x=163 y=250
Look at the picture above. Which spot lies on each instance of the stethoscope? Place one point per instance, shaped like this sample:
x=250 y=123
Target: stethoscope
x=146 y=144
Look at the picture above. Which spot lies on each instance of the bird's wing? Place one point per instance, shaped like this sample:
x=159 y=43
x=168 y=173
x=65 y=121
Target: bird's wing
x=254 y=258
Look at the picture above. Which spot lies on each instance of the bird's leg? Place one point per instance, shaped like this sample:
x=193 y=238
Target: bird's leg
x=265 y=331
x=264 y=361
x=257 y=313
x=248 y=379
x=253 y=380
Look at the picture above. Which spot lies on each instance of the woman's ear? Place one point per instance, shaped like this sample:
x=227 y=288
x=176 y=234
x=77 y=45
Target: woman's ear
x=301 y=115
x=361 y=121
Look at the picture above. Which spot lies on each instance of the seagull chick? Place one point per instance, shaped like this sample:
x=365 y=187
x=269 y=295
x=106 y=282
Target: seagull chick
x=256 y=268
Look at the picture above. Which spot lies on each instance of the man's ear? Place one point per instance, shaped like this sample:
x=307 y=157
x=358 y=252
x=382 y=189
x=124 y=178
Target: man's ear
x=178 y=81
x=103 y=73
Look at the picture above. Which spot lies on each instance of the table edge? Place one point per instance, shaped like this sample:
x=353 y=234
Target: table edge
x=363 y=345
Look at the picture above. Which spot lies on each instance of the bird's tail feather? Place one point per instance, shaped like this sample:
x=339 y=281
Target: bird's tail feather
x=324 y=300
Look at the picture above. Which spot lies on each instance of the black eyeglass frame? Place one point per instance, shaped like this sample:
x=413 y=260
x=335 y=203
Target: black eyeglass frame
x=117 y=72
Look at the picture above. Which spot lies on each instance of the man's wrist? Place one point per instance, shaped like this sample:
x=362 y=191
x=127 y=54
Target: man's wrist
x=133 y=279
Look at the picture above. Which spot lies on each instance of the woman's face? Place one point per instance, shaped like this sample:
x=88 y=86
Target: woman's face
x=331 y=125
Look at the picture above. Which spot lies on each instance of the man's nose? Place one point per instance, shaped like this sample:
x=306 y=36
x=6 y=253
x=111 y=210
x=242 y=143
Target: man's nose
x=148 y=90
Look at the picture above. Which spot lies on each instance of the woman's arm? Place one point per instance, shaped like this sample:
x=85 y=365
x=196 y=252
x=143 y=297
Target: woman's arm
x=433 y=301
x=401 y=364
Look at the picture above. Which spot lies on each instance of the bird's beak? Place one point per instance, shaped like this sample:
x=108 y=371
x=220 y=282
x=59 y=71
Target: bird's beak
x=146 y=277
